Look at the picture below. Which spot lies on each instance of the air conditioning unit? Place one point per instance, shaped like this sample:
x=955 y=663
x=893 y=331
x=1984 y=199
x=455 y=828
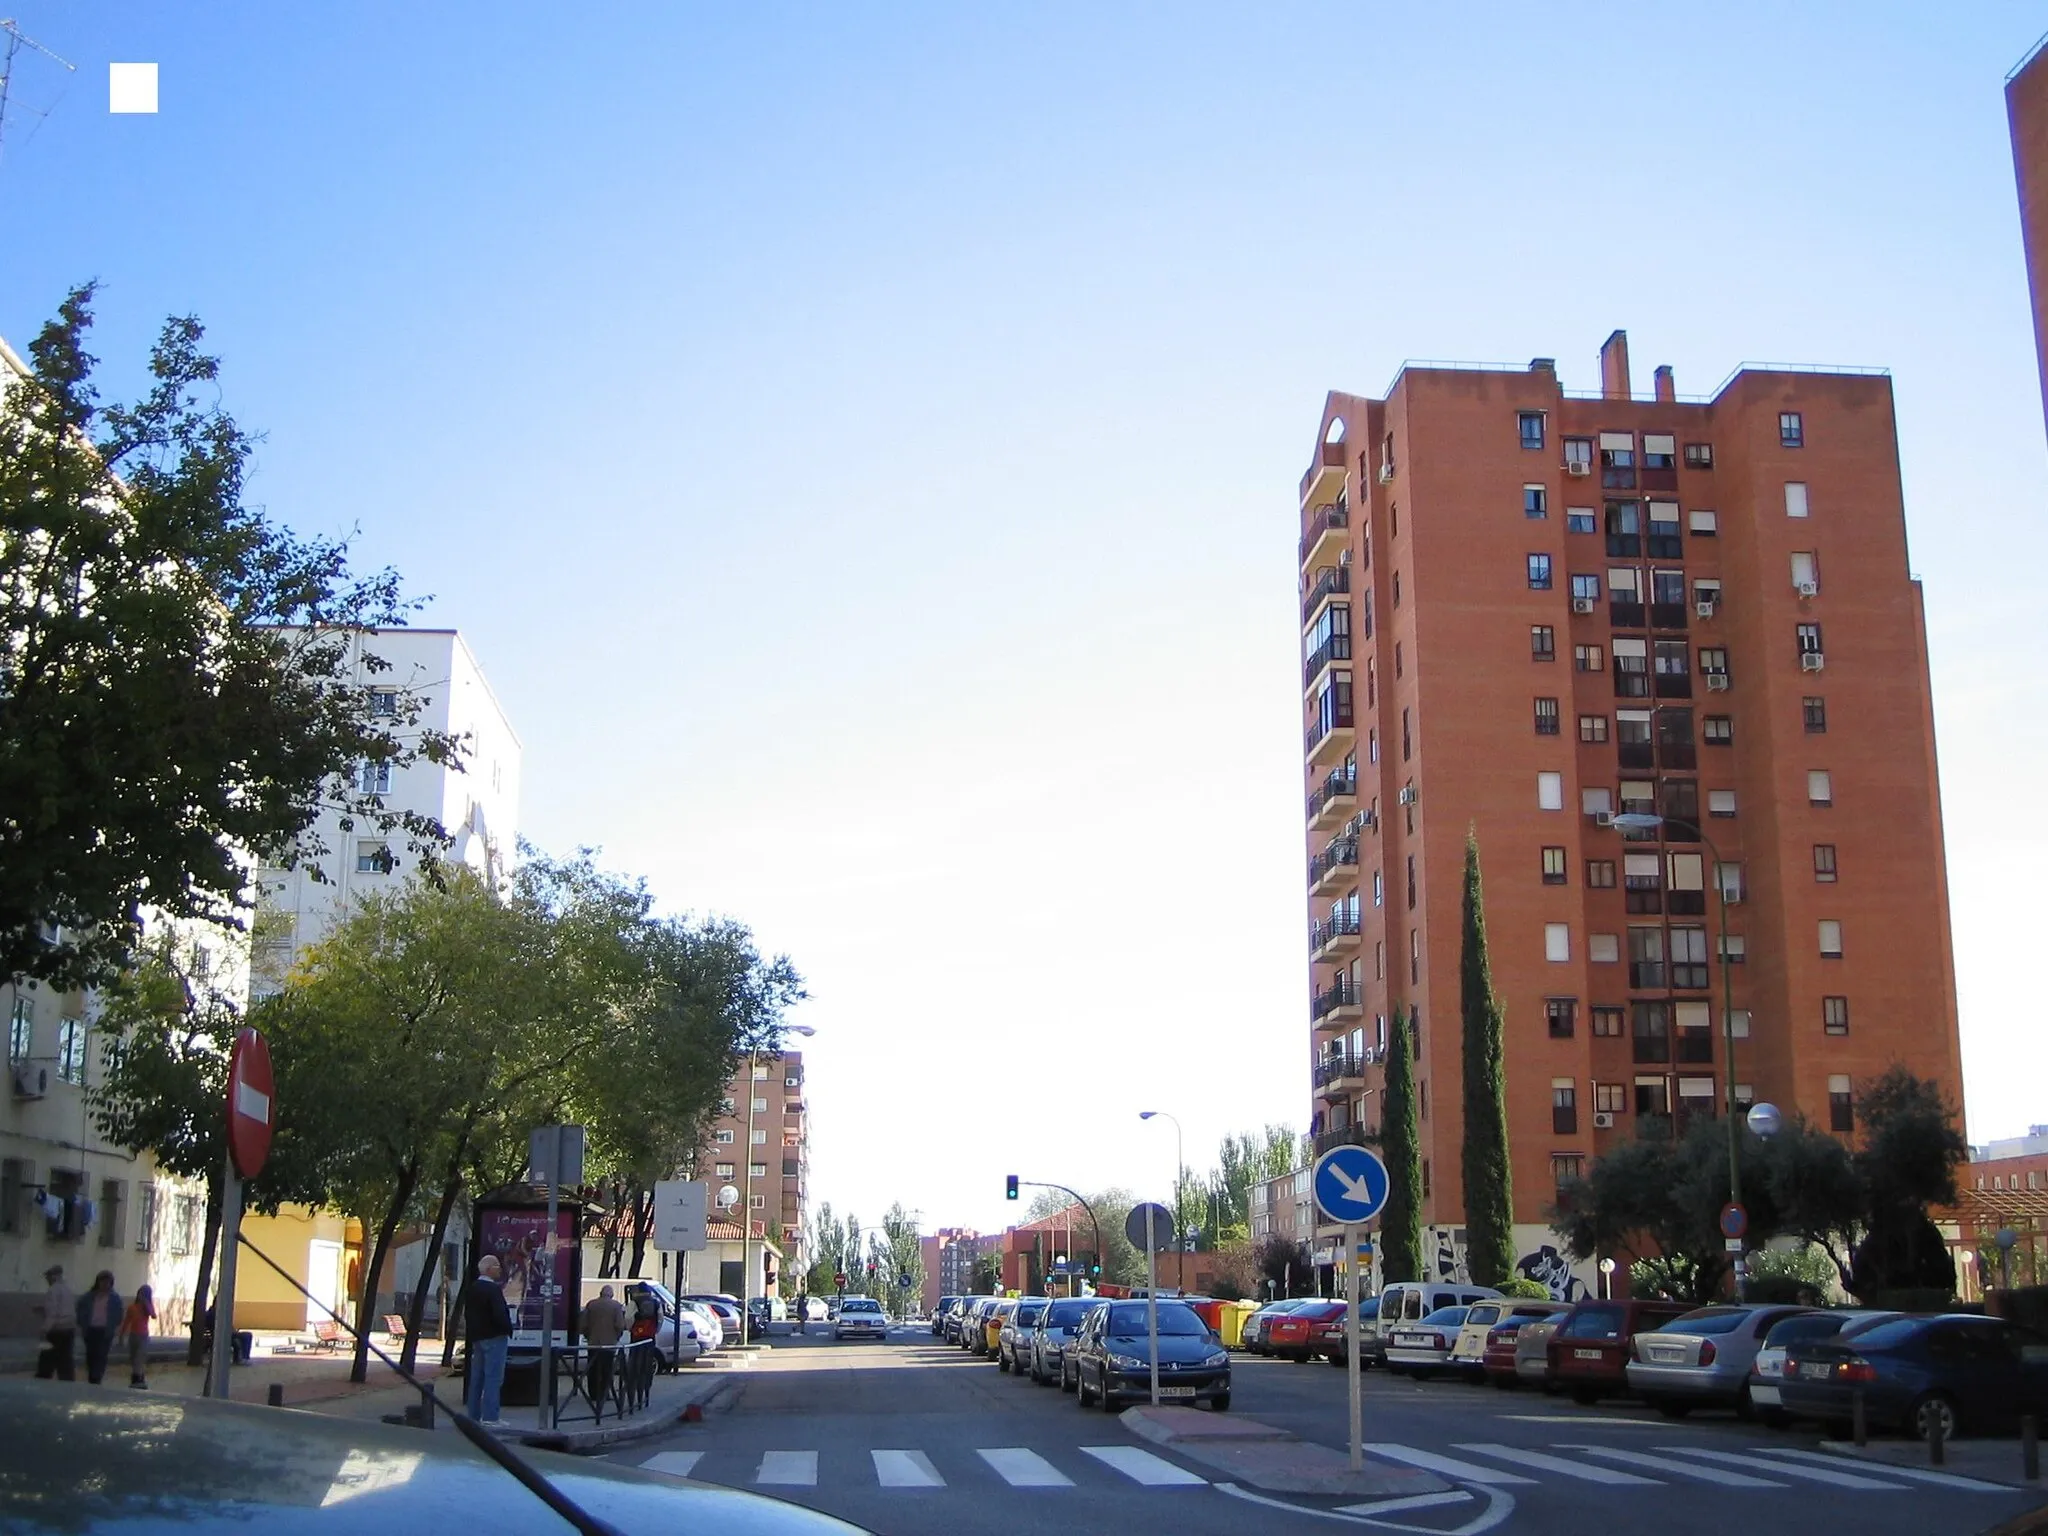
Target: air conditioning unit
x=1603 y=1119
x=30 y=1081
x=1812 y=661
x=1705 y=607
x=1809 y=589
x=1407 y=794
x=1603 y=818
x=1386 y=471
x=1577 y=467
x=1582 y=605
x=1717 y=682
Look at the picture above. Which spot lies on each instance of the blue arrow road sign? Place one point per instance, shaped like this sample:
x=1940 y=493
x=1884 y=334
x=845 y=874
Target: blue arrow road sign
x=1350 y=1184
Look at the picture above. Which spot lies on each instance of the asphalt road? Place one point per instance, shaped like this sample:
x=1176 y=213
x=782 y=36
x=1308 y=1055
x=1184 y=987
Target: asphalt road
x=911 y=1436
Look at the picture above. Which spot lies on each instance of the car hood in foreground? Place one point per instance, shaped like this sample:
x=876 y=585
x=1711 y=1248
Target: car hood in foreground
x=82 y=1461
x=1180 y=1349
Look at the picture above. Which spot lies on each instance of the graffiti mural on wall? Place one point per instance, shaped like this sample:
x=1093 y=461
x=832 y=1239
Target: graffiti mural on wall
x=1447 y=1260
x=1444 y=1250
x=1547 y=1267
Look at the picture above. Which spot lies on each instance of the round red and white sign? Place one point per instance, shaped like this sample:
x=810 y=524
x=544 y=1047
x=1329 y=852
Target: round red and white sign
x=252 y=1104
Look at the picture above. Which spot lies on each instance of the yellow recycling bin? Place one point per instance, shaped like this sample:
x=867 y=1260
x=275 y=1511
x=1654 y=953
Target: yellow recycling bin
x=1232 y=1320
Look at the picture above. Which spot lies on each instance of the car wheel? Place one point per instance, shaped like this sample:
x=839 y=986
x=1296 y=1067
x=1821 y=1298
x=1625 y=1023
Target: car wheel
x=1066 y=1385
x=1003 y=1363
x=1422 y=1373
x=1933 y=1414
x=1220 y=1402
x=1745 y=1409
x=1337 y=1358
x=1774 y=1418
x=1671 y=1410
x=1585 y=1397
x=1081 y=1390
x=1503 y=1383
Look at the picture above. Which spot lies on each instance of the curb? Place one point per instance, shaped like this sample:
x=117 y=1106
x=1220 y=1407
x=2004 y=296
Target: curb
x=1275 y=1460
x=704 y=1397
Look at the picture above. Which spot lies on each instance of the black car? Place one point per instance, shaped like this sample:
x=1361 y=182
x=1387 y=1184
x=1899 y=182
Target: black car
x=1109 y=1360
x=939 y=1315
x=1924 y=1375
x=955 y=1317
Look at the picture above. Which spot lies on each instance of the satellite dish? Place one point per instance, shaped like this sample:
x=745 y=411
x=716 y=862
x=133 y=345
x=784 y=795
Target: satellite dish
x=728 y=1197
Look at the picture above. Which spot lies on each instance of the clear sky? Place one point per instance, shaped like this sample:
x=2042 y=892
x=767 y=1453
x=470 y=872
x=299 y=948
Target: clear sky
x=860 y=442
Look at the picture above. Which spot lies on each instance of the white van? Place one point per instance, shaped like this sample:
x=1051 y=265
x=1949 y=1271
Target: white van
x=1408 y=1301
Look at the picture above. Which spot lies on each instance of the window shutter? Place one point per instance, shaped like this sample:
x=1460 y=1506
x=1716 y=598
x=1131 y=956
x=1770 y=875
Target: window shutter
x=1795 y=498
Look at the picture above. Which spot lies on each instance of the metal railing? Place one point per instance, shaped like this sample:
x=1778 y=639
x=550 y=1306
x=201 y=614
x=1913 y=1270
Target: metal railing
x=1340 y=853
x=1336 y=785
x=600 y=1376
x=1332 y=579
x=1338 y=925
x=1324 y=518
x=1339 y=994
x=1349 y=1136
x=1335 y=1069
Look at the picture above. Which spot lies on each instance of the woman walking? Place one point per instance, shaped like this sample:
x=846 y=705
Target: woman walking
x=135 y=1329
x=99 y=1314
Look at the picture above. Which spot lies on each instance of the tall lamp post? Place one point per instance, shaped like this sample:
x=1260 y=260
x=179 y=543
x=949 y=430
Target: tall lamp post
x=1646 y=821
x=1180 y=1257
x=747 y=1212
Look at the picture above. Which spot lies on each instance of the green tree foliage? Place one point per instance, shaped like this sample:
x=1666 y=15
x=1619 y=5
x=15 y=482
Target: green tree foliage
x=1488 y=1184
x=1911 y=1148
x=897 y=1254
x=1219 y=1202
x=178 y=684
x=1282 y=1266
x=1400 y=1146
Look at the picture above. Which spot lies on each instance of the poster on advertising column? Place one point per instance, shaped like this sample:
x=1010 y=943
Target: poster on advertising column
x=534 y=1271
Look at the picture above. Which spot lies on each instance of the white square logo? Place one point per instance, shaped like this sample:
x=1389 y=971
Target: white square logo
x=131 y=88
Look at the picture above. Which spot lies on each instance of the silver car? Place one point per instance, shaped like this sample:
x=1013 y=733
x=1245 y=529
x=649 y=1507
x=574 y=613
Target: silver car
x=1532 y=1351
x=1702 y=1360
x=1054 y=1331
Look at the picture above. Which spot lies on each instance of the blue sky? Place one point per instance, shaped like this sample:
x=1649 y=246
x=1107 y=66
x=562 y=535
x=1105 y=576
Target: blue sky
x=861 y=448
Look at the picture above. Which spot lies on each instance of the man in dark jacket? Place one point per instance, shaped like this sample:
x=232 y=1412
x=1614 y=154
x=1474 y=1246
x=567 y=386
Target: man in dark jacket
x=487 y=1323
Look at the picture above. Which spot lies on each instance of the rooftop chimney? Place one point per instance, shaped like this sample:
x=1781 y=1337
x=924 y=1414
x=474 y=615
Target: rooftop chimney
x=1614 y=383
x=1667 y=390
x=1543 y=365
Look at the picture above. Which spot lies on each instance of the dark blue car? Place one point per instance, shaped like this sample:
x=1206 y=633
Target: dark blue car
x=1921 y=1374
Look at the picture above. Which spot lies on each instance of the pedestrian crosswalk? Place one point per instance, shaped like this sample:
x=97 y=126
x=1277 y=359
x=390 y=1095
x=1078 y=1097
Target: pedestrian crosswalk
x=1490 y=1464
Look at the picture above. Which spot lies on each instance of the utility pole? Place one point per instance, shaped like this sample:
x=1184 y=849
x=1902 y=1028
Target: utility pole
x=18 y=42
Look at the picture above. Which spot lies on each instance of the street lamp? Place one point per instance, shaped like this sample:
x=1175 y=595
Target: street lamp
x=1647 y=821
x=1180 y=1259
x=747 y=1215
x=1607 y=1279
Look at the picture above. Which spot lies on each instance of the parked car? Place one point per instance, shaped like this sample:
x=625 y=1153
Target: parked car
x=1486 y=1344
x=1110 y=1358
x=1768 y=1369
x=1409 y=1301
x=992 y=1325
x=1423 y=1347
x=974 y=1326
x=1253 y=1338
x=1702 y=1360
x=1921 y=1375
x=939 y=1315
x=727 y=1309
x=1013 y=1342
x=1532 y=1351
x=1334 y=1345
x=1057 y=1325
x=678 y=1339
x=860 y=1317
x=1298 y=1335
x=1589 y=1351
x=710 y=1329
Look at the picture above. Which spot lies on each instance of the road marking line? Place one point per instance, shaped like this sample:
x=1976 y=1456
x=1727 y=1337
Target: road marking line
x=906 y=1469
x=1579 y=1418
x=1917 y=1474
x=673 y=1463
x=1687 y=1468
x=1546 y=1463
x=1025 y=1469
x=1143 y=1467
x=1413 y=1501
x=1816 y=1474
x=789 y=1469
x=1450 y=1466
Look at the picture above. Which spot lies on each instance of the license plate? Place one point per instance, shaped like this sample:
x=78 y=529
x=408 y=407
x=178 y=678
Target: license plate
x=1588 y=1354
x=1176 y=1392
x=1816 y=1370
x=1667 y=1355
x=1765 y=1396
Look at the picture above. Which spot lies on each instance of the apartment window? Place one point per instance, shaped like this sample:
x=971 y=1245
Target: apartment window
x=1535 y=501
x=1830 y=939
x=1791 y=430
x=1557 y=942
x=1820 y=787
x=1734 y=949
x=1624 y=528
x=1646 y=959
x=1642 y=878
x=1674 y=679
x=1795 y=499
x=21 y=1031
x=1372 y=744
x=1699 y=455
x=71 y=1050
x=1665 y=541
x=1546 y=717
x=1824 y=863
x=726 y=1170
x=1718 y=730
x=1387 y=460
x=383 y=703
x=1588 y=658
x=1531 y=426
x=145 y=1218
x=1660 y=451
x=1561 y=1014
x=1625 y=596
x=373 y=858
x=1631 y=669
x=1607 y=1022
x=1553 y=866
x=1721 y=802
x=1411 y=882
x=1593 y=729
x=1650 y=1029
x=1809 y=640
x=1425 y=1172
x=1542 y=643
x=1738 y=1026
x=1397 y=589
x=728 y=1106
x=1600 y=874
x=1805 y=572
x=113 y=1212
x=760 y=1106
x=1597 y=802
x=758 y=1170
x=757 y=1202
x=373 y=777
x=1379 y=957
x=723 y=1136
x=1585 y=589
x=760 y=1137
x=1564 y=1107
x=1841 y=1104
x=1415 y=961
x=1618 y=460
x=1578 y=455
x=1704 y=524
x=1689 y=957
x=1610 y=1098
x=1549 y=791
x=1813 y=710
x=1407 y=743
x=1378 y=890
x=1728 y=880
x=1408 y=809
x=1603 y=948
x=1653 y=1096
x=1580 y=520
x=1714 y=662
x=184 y=1224
x=1834 y=1015
x=1365 y=613
x=1539 y=573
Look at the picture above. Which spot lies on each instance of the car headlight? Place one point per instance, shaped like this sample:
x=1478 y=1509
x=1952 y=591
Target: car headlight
x=1221 y=1357
x=1127 y=1363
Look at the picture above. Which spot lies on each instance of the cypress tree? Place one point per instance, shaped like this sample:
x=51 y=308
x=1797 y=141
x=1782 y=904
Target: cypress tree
x=1401 y=1217
x=1489 y=1191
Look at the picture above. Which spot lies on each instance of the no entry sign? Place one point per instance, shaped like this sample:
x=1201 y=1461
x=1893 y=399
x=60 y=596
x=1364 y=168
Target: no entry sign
x=252 y=1104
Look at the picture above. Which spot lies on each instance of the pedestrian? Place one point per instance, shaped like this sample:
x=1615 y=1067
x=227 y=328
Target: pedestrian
x=803 y=1310
x=646 y=1336
x=603 y=1324
x=135 y=1329
x=99 y=1315
x=60 y=1328
x=487 y=1324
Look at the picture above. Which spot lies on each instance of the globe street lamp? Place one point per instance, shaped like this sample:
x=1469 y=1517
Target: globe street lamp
x=747 y=1215
x=1180 y=1260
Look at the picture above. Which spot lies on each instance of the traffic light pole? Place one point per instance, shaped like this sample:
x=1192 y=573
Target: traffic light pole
x=1045 y=1184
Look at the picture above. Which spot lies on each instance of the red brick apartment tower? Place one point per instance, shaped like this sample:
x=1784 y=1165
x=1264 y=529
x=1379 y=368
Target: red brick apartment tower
x=1525 y=610
x=2026 y=108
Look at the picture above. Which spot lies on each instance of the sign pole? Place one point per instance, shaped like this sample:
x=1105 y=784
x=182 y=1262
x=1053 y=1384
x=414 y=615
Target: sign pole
x=545 y=1413
x=224 y=1287
x=1351 y=1361
x=1152 y=1299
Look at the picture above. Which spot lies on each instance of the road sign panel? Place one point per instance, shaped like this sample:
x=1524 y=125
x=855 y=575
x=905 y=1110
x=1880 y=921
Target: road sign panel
x=680 y=1208
x=1350 y=1184
x=252 y=1103
x=1162 y=1227
x=1734 y=1220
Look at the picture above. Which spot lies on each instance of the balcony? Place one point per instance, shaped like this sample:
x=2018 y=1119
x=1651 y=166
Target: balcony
x=1331 y=581
x=1325 y=532
x=1636 y=754
x=1667 y=616
x=1334 y=798
x=1625 y=615
x=1340 y=1070
x=1325 y=478
x=1336 y=648
x=1331 y=736
x=1337 y=862
x=1333 y=936
x=1336 y=1002
x=1349 y=1136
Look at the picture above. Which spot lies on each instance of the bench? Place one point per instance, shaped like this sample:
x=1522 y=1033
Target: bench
x=328 y=1335
x=394 y=1324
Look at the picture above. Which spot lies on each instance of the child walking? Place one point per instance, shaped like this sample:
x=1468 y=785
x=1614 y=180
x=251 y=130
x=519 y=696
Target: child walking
x=135 y=1321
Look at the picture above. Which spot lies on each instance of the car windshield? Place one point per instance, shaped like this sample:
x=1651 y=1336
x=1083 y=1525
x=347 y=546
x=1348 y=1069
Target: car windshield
x=1029 y=1312
x=1811 y=1325
x=1707 y=1321
x=1446 y=1317
x=1593 y=1323
x=1483 y=1314
x=860 y=1306
x=1066 y=1314
x=1127 y=1320
x=1890 y=1335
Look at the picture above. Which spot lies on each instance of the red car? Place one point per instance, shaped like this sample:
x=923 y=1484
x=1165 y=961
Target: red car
x=1498 y=1361
x=1298 y=1335
x=1589 y=1351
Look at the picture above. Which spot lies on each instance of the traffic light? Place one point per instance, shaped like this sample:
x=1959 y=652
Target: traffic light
x=1094 y=1270
x=1010 y=1191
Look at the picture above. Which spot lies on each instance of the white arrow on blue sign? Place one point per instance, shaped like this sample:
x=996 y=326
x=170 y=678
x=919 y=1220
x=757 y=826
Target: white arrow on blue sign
x=1350 y=1184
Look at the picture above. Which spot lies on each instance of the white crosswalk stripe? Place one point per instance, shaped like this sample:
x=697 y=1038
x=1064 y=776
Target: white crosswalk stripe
x=1705 y=1474
x=1025 y=1469
x=906 y=1469
x=1143 y=1467
x=1543 y=1462
x=1833 y=1477
x=788 y=1469
x=674 y=1463
x=1911 y=1474
x=1450 y=1466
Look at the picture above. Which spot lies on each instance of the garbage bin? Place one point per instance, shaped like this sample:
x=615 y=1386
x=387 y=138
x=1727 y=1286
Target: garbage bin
x=245 y=1346
x=1233 y=1320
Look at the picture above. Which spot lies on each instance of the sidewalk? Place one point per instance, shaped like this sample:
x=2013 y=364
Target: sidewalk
x=1988 y=1459
x=1272 y=1459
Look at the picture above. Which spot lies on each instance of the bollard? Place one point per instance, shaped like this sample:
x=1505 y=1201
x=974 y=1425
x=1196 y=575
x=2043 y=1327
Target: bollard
x=426 y=1407
x=1859 y=1421
x=2030 y=1448
x=275 y=1397
x=1937 y=1442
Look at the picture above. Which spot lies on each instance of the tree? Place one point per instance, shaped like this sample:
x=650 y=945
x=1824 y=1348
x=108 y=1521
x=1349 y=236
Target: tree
x=1489 y=1189
x=178 y=683
x=1401 y=1149
x=1280 y=1262
x=1910 y=1152
x=898 y=1254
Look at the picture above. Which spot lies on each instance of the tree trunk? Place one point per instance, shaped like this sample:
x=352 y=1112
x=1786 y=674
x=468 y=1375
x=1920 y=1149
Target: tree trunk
x=461 y=1297
x=643 y=1216
x=401 y=1196
x=195 y=1348
x=410 y=1351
